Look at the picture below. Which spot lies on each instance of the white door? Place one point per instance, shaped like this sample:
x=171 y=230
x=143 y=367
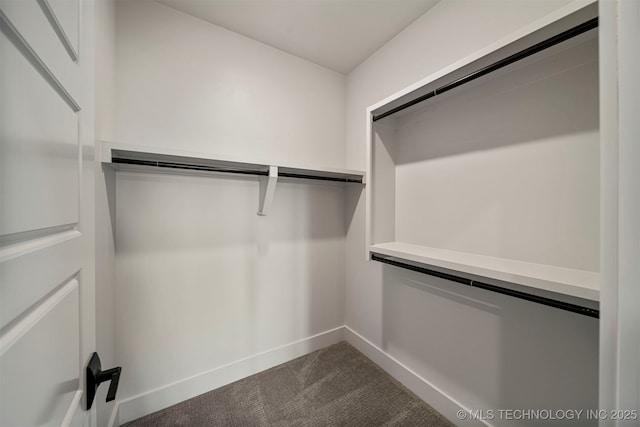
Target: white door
x=47 y=320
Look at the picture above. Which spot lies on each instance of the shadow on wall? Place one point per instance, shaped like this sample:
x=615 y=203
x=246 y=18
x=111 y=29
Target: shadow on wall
x=212 y=201
x=354 y=194
x=535 y=101
x=491 y=348
x=110 y=190
x=306 y=226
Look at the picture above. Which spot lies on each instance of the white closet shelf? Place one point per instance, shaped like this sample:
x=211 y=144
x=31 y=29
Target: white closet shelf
x=133 y=156
x=143 y=158
x=577 y=283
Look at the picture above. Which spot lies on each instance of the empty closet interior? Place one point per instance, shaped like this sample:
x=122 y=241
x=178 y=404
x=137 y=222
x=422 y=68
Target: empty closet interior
x=248 y=215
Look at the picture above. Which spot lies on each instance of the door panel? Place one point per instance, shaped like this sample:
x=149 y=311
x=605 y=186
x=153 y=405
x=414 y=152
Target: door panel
x=39 y=367
x=47 y=307
x=30 y=21
x=21 y=286
x=39 y=151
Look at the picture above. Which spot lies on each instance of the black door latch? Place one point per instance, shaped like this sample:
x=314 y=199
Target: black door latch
x=96 y=376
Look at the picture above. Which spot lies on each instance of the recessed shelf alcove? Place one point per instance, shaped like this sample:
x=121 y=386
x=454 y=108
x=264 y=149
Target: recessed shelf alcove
x=493 y=173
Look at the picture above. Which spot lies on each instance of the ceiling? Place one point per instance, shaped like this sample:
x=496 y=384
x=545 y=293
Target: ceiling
x=337 y=34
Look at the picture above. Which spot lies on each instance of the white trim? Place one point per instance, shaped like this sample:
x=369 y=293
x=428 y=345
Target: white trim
x=73 y=407
x=143 y=404
x=153 y=400
x=11 y=336
x=59 y=30
x=438 y=399
x=114 y=419
x=368 y=220
x=38 y=240
x=609 y=159
x=619 y=381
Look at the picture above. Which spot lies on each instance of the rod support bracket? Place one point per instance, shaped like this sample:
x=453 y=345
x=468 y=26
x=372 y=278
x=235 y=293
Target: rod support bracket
x=267 y=190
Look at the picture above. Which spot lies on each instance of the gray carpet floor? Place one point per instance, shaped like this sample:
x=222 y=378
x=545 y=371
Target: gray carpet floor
x=335 y=386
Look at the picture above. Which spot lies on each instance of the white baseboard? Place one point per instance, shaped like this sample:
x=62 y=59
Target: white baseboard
x=431 y=394
x=154 y=400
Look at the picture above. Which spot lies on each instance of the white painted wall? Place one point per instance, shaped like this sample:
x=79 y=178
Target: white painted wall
x=201 y=280
x=508 y=169
x=105 y=11
x=483 y=350
x=185 y=83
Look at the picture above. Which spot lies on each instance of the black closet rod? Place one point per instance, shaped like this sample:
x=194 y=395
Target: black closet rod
x=188 y=166
x=318 y=177
x=545 y=44
x=206 y=168
x=586 y=311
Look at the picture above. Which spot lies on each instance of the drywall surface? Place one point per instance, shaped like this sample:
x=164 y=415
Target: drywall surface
x=105 y=68
x=509 y=169
x=185 y=83
x=485 y=351
x=202 y=281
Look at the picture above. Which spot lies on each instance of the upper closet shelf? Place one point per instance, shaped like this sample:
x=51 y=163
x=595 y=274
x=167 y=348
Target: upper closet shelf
x=575 y=21
x=133 y=157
